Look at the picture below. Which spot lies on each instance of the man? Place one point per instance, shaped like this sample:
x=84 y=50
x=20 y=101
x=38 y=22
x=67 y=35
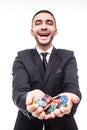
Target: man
x=31 y=81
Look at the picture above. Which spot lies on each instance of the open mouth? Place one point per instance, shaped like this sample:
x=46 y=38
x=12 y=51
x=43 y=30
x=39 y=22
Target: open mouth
x=43 y=34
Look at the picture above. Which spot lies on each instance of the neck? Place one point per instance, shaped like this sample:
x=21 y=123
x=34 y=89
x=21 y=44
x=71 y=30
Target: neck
x=44 y=48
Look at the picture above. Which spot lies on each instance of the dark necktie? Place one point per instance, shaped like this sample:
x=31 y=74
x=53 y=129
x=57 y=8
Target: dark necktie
x=44 y=60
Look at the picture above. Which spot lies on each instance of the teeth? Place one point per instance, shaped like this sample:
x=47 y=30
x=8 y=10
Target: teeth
x=44 y=34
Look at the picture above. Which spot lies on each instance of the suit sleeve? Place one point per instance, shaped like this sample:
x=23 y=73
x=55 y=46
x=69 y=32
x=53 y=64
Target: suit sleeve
x=20 y=85
x=70 y=83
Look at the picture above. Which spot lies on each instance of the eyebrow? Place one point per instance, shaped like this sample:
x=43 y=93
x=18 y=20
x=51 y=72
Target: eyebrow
x=39 y=20
x=48 y=20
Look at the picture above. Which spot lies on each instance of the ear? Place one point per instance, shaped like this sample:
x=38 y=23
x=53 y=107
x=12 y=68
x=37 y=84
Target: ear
x=32 y=32
x=56 y=31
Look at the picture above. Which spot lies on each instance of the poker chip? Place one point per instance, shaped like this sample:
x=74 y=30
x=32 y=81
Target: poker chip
x=47 y=98
x=51 y=108
x=63 y=99
x=40 y=102
x=49 y=104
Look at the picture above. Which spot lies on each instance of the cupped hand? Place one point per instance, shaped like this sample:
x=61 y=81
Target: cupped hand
x=72 y=99
x=35 y=109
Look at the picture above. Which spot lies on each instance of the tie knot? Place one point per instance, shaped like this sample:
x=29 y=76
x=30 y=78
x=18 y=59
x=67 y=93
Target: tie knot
x=44 y=54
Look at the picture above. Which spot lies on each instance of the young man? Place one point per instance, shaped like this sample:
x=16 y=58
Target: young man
x=31 y=81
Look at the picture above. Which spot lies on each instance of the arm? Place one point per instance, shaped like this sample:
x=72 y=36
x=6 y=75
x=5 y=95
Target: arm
x=20 y=85
x=71 y=84
x=22 y=94
x=70 y=87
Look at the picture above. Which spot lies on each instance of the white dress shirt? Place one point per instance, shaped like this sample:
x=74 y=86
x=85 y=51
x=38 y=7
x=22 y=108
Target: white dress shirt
x=48 y=51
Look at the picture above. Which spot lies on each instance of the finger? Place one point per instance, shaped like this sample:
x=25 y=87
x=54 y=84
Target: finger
x=47 y=116
x=58 y=113
x=29 y=99
x=52 y=114
x=65 y=110
x=41 y=116
x=32 y=108
x=37 y=112
x=75 y=99
x=34 y=115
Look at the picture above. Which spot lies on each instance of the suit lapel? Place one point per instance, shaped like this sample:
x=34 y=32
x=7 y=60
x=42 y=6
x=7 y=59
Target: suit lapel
x=38 y=62
x=51 y=64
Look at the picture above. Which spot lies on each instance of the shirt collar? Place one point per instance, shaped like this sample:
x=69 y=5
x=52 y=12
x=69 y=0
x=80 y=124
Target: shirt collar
x=41 y=51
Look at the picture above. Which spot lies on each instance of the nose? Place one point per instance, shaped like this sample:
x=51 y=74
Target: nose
x=44 y=26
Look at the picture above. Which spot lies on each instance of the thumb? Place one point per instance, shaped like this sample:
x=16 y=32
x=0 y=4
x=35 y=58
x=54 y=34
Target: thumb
x=29 y=98
x=75 y=98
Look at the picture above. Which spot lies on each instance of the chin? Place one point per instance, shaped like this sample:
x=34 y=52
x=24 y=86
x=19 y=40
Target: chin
x=44 y=44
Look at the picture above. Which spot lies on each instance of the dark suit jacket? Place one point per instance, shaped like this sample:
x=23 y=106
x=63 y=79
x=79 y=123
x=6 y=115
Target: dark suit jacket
x=61 y=76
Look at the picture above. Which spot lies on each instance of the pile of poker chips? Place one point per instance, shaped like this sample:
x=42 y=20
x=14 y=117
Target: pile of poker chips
x=49 y=104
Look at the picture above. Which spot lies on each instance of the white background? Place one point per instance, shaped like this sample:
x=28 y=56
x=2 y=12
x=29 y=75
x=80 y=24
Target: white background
x=15 y=24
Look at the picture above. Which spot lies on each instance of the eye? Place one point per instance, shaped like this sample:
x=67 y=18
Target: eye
x=38 y=22
x=49 y=22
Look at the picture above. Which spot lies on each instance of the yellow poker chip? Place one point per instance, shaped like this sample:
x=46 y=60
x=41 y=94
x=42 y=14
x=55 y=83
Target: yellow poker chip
x=33 y=102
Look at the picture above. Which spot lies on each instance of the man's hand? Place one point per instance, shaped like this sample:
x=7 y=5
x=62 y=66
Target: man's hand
x=35 y=109
x=72 y=98
x=38 y=111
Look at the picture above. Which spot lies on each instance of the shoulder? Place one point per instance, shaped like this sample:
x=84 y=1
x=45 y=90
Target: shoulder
x=25 y=53
x=65 y=55
x=65 y=52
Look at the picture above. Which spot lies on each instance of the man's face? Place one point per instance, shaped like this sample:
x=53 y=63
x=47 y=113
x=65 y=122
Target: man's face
x=43 y=28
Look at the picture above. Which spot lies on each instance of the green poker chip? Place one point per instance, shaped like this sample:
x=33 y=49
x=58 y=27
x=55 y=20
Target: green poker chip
x=62 y=105
x=40 y=102
x=51 y=108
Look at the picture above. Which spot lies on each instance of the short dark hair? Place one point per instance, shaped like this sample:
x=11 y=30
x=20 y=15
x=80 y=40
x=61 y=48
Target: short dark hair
x=44 y=11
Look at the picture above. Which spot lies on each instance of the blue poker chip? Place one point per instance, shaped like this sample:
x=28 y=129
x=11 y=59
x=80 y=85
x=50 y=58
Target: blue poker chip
x=63 y=99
